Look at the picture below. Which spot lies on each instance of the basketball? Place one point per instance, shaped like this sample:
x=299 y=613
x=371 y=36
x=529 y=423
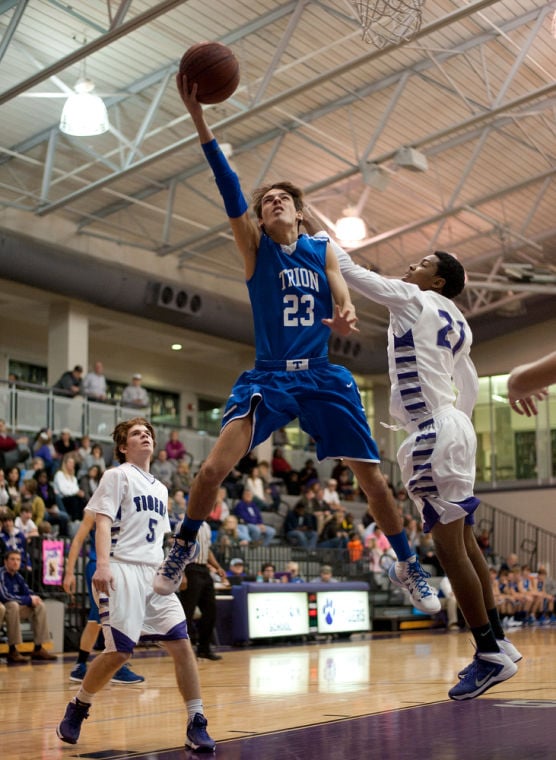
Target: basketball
x=214 y=68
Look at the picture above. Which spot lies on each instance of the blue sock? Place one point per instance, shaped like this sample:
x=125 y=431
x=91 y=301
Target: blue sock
x=189 y=529
x=400 y=545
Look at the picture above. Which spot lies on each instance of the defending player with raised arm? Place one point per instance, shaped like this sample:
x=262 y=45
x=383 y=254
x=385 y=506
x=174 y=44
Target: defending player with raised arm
x=528 y=383
x=434 y=389
x=297 y=295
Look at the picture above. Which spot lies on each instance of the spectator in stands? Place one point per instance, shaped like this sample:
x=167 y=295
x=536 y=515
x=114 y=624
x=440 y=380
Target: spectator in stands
x=55 y=515
x=220 y=511
x=247 y=462
x=271 y=485
x=71 y=497
x=13 y=538
x=237 y=568
x=261 y=495
x=64 y=444
x=346 y=484
x=292 y=569
x=427 y=553
x=300 y=527
x=281 y=468
x=177 y=507
x=31 y=499
x=163 y=469
x=134 y=394
x=174 y=447
x=94 y=458
x=233 y=483
x=280 y=437
x=332 y=536
x=248 y=514
x=88 y=481
x=232 y=535
x=43 y=447
x=70 y=383
x=449 y=603
x=483 y=539
x=24 y=522
x=13 y=479
x=181 y=478
x=94 y=385
x=267 y=573
x=546 y=587
x=5 y=498
x=22 y=604
x=308 y=474
x=330 y=493
x=355 y=547
x=12 y=450
x=325 y=575
x=510 y=561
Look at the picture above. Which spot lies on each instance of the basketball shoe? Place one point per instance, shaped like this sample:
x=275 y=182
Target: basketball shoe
x=168 y=576
x=70 y=727
x=411 y=576
x=486 y=670
x=197 y=737
x=507 y=647
x=125 y=675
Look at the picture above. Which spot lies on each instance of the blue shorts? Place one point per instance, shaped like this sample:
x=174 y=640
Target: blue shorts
x=325 y=398
x=93 y=609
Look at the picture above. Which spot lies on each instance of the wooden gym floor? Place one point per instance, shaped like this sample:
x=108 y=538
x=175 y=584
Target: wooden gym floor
x=380 y=696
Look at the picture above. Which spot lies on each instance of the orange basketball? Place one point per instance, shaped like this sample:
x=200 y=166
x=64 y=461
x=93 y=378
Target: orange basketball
x=214 y=68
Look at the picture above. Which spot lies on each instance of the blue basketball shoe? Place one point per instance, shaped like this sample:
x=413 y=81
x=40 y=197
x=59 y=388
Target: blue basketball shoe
x=197 y=737
x=168 y=576
x=78 y=673
x=70 y=727
x=486 y=670
x=125 y=675
x=411 y=576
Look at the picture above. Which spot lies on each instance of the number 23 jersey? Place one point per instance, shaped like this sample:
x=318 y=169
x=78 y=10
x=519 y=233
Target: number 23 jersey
x=137 y=504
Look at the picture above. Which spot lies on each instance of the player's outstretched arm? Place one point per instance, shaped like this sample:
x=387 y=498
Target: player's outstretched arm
x=245 y=231
x=528 y=383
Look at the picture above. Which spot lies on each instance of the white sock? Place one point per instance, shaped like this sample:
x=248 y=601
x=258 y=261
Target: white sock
x=84 y=696
x=194 y=706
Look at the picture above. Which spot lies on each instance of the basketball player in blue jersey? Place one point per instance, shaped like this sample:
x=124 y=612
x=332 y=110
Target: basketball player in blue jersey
x=297 y=295
x=434 y=389
x=131 y=518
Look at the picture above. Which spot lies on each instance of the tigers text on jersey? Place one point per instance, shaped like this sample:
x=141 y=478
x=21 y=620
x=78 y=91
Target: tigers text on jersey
x=137 y=503
x=290 y=296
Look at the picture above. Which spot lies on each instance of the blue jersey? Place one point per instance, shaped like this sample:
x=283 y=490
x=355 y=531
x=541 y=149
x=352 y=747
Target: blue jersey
x=290 y=296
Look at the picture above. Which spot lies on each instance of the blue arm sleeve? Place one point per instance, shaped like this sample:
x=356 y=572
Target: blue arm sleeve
x=226 y=179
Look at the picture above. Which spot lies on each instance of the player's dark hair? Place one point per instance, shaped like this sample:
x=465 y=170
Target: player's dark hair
x=121 y=431
x=453 y=273
x=295 y=192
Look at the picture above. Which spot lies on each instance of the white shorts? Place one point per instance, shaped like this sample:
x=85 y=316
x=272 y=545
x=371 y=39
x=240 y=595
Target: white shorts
x=438 y=468
x=134 y=612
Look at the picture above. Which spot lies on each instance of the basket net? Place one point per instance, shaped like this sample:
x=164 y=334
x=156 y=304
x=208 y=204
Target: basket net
x=387 y=22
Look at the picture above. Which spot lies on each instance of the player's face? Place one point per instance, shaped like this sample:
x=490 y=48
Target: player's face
x=278 y=205
x=139 y=442
x=423 y=274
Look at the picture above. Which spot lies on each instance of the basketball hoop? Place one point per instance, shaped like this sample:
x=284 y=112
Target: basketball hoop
x=387 y=22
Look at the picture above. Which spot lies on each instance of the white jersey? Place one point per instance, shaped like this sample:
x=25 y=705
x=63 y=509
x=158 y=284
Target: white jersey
x=137 y=504
x=429 y=342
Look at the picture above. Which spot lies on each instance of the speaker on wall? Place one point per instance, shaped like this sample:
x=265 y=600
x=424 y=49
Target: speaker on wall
x=178 y=299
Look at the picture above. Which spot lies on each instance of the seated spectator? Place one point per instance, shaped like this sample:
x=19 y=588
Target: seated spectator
x=325 y=575
x=332 y=536
x=30 y=498
x=281 y=468
x=271 y=485
x=233 y=483
x=64 y=444
x=236 y=569
x=174 y=447
x=261 y=496
x=181 y=477
x=330 y=493
x=348 y=521
x=267 y=573
x=70 y=496
x=163 y=469
x=134 y=395
x=249 y=514
x=13 y=538
x=355 y=547
x=88 y=481
x=94 y=385
x=43 y=448
x=382 y=542
x=308 y=474
x=280 y=437
x=247 y=462
x=483 y=539
x=220 y=511
x=449 y=603
x=94 y=458
x=5 y=498
x=346 y=485
x=292 y=570
x=13 y=480
x=84 y=448
x=24 y=522
x=54 y=515
x=12 y=450
x=70 y=383
x=177 y=507
x=37 y=463
x=427 y=553
x=231 y=534
x=22 y=604
x=300 y=527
